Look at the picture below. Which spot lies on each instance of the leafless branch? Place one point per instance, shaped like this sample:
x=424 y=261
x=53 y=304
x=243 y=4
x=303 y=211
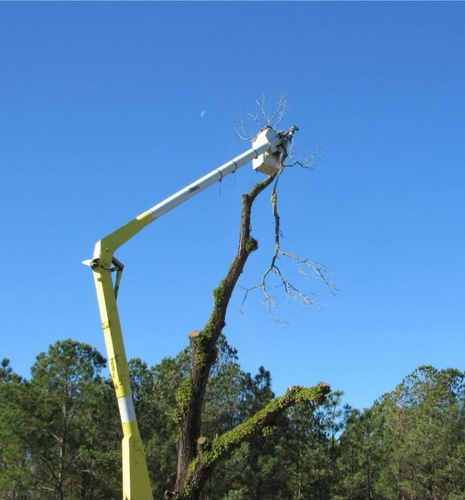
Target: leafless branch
x=308 y=162
x=261 y=117
x=305 y=267
x=278 y=115
x=243 y=135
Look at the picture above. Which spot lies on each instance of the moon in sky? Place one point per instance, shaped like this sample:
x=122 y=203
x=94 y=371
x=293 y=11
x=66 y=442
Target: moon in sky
x=202 y=114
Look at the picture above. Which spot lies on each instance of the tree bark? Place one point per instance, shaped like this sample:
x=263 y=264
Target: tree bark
x=190 y=396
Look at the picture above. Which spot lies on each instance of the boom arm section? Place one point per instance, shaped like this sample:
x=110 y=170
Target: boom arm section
x=136 y=482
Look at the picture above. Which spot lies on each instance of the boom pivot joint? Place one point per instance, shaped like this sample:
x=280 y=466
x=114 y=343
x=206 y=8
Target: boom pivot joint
x=116 y=265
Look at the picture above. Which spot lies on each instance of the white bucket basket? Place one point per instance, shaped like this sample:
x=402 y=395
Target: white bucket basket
x=267 y=163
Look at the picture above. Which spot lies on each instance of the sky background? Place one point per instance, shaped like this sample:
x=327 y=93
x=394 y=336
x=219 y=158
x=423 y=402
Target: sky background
x=100 y=119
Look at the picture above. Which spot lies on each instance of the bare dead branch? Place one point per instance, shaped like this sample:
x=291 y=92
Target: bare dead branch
x=281 y=108
x=239 y=128
x=261 y=117
x=275 y=119
x=305 y=267
x=308 y=162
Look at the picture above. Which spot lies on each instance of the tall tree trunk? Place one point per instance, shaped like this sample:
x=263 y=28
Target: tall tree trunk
x=191 y=395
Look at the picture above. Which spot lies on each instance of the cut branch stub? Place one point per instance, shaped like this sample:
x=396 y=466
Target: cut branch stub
x=192 y=336
x=201 y=443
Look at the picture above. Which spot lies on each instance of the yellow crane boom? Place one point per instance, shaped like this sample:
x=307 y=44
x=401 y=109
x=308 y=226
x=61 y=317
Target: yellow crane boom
x=267 y=147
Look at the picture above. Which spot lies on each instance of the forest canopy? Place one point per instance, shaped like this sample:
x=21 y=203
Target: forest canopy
x=60 y=433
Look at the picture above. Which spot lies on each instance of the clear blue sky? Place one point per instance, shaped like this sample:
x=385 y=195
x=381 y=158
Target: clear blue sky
x=100 y=119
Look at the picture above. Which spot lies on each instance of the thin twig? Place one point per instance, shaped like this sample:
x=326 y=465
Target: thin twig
x=261 y=117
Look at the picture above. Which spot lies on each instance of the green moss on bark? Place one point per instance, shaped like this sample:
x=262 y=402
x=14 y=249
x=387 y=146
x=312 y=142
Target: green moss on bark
x=218 y=293
x=251 y=245
x=262 y=422
x=183 y=397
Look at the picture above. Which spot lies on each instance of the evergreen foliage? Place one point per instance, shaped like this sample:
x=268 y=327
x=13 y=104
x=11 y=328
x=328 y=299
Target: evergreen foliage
x=60 y=433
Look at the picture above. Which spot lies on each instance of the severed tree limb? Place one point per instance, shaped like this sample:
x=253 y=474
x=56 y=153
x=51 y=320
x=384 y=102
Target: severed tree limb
x=262 y=422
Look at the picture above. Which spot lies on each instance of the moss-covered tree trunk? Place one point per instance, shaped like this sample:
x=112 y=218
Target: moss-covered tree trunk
x=191 y=395
x=196 y=456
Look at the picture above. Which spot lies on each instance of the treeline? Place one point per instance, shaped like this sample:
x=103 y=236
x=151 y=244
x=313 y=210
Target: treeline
x=60 y=434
